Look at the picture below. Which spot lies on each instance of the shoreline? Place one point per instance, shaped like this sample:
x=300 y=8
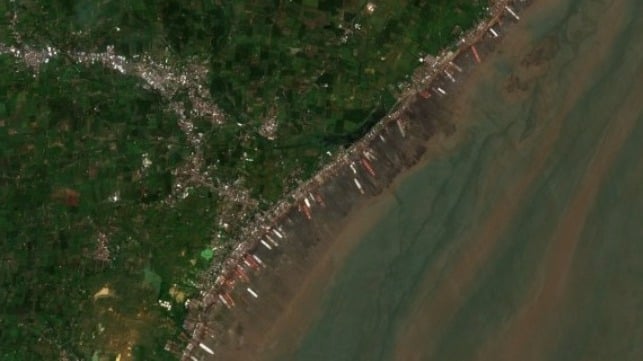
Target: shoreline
x=316 y=214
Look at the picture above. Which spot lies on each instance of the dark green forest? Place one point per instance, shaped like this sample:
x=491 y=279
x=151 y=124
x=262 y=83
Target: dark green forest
x=88 y=155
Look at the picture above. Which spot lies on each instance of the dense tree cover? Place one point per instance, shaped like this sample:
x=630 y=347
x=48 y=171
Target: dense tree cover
x=326 y=70
x=75 y=136
x=71 y=139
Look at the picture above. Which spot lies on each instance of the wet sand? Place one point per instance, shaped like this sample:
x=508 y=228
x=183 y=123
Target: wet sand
x=517 y=340
x=547 y=123
x=301 y=270
x=298 y=276
x=516 y=236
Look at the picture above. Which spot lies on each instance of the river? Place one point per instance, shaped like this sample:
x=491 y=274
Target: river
x=522 y=239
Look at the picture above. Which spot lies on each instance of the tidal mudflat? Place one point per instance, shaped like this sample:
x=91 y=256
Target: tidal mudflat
x=519 y=237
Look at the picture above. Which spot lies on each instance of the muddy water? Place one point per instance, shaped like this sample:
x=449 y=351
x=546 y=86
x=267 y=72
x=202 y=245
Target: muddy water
x=523 y=241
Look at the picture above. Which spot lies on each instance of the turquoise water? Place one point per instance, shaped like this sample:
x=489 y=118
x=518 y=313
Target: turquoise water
x=524 y=240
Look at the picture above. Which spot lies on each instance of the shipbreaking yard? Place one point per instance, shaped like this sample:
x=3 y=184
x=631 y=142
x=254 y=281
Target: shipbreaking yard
x=254 y=285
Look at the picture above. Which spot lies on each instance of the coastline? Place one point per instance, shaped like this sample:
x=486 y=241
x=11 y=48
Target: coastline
x=302 y=249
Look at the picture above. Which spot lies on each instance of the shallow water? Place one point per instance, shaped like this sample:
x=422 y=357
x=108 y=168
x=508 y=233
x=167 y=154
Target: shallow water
x=523 y=242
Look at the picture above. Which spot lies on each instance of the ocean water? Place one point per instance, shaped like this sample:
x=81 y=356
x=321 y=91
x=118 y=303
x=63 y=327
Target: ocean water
x=524 y=240
x=99 y=208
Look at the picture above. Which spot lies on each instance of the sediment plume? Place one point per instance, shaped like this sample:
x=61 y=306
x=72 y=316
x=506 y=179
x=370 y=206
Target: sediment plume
x=283 y=244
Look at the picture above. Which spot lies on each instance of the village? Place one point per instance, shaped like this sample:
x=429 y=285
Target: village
x=364 y=169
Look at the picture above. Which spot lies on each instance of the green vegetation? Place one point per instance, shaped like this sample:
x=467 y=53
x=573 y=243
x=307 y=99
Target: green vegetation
x=326 y=73
x=74 y=140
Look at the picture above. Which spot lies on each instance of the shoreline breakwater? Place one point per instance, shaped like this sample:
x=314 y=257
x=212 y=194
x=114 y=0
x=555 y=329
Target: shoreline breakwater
x=289 y=234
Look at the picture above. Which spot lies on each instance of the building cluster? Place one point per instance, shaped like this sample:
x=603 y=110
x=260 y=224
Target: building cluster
x=266 y=231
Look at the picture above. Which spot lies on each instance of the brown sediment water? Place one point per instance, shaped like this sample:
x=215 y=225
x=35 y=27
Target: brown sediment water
x=487 y=253
x=296 y=280
x=309 y=279
x=430 y=318
x=516 y=237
